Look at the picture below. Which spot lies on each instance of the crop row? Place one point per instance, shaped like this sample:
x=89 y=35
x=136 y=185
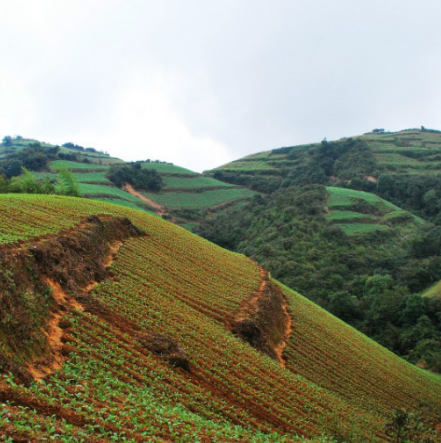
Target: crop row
x=348 y=197
x=344 y=215
x=252 y=165
x=358 y=228
x=164 y=168
x=192 y=182
x=337 y=357
x=91 y=189
x=75 y=165
x=184 y=287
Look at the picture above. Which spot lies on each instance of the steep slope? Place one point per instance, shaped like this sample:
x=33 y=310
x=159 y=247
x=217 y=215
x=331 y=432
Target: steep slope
x=146 y=350
x=357 y=255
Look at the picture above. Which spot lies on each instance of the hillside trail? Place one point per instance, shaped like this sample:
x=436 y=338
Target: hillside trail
x=54 y=333
x=160 y=210
x=249 y=308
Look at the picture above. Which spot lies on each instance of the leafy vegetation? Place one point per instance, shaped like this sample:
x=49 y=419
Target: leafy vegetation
x=146 y=179
x=371 y=281
x=111 y=387
x=199 y=199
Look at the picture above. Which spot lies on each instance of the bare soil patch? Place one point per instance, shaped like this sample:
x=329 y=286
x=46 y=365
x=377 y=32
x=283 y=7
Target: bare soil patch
x=35 y=280
x=263 y=320
x=160 y=210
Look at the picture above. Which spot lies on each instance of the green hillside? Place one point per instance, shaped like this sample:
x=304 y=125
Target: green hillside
x=401 y=167
x=119 y=326
x=355 y=254
x=185 y=197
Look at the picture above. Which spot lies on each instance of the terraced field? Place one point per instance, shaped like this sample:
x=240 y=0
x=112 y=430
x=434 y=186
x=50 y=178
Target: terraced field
x=410 y=151
x=182 y=189
x=166 y=168
x=173 y=182
x=358 y=212
x=172 y=285
x=192 y=200
x=73 y=166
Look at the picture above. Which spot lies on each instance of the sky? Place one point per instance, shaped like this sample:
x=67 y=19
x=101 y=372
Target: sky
x=200 y=83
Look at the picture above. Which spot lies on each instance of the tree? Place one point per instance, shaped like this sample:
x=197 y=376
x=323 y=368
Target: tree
x=68 y=183
x=13 y=169
x=7 y=140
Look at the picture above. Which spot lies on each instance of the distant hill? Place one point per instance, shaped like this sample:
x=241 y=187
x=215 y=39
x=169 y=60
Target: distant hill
x=402 y=167
x=118 y=326
x=186 y=197
x=354 y=225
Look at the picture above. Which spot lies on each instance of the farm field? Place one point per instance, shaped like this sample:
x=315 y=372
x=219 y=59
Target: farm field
x=76 y=165
x=172 y=182
x=111 y=387
x=166 y=168
x=357 y=212
x=249 y=164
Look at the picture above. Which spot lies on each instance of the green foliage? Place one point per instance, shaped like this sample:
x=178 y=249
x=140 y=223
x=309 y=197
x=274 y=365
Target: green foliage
x=370 y=280
x=68 y=183
x=192 y=182
x=145 y=179
x=166 y=168
x=204 y=199
x=7 y=140
x=71 y=165
x=407 y=427
x=26 y=183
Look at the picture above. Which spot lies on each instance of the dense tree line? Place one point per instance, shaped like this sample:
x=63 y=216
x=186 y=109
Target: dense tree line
x=34 y=158
x=373 y=281
x=133 y=173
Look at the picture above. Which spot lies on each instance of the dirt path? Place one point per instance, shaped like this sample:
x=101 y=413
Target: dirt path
x=160 y=210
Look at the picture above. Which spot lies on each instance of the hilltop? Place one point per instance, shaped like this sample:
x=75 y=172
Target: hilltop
x=402 y=167
x=119 y=326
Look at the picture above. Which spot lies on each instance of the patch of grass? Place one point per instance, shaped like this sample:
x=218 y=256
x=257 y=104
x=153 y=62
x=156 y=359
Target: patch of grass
x=359 y=228
x=165 y=168
x=433 y=291
x=344 y=215
x=57 y=164
x=253 y=165
x=192 y=182
x=90 y=190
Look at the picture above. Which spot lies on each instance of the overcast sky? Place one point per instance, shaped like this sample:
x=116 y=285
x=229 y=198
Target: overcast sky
x=201 y=82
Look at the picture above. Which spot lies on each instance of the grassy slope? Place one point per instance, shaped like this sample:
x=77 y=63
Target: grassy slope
x=357 y=212
x=184 y=287
x=183 y=189
x=410 y=151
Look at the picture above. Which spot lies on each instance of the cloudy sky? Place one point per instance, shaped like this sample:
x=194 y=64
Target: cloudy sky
x=203 y=82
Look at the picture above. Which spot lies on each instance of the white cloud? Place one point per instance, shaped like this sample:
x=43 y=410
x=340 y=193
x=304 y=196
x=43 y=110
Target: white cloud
x=200 y=83
x=145 y=125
